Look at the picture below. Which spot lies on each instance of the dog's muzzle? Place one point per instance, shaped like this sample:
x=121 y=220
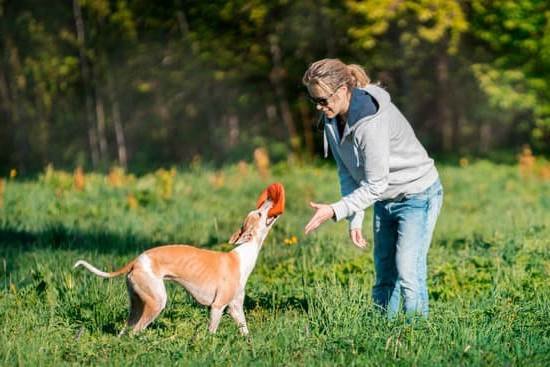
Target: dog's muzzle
x=270 y=220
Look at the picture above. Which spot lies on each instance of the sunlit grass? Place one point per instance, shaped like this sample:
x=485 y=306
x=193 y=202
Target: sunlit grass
x=308 y=300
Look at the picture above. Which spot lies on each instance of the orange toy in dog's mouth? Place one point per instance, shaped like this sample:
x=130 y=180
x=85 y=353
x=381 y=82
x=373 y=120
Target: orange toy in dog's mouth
x=276 y=193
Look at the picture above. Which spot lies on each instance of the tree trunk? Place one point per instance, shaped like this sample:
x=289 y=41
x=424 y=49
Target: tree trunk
x=5 y=99
x=18 y=123
x=183 y=24
x=444 y=113
x=6 y=114
x=308 y=126
x=233 y=128
x=40 y=139
x=7 y=133
x=117 y=122
x=102 y=138
x=485 y=135
x=86 y=85
x=276 y=77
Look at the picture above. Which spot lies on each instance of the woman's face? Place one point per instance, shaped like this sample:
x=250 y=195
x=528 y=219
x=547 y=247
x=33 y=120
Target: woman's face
x=331 y=104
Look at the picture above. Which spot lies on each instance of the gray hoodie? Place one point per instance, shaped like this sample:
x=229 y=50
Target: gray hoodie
x=378 y=156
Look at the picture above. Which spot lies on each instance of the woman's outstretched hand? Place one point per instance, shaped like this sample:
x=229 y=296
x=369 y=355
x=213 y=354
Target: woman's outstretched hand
x=323 y=213
x=357 y=238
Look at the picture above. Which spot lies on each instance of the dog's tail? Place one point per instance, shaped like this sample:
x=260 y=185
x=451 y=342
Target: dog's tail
x=125 y=269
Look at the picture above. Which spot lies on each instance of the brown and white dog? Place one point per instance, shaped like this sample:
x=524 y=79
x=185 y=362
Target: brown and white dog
x=213 y=278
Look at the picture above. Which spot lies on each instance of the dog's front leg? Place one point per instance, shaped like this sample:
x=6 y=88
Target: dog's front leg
x=215 y=316
x=236 y=311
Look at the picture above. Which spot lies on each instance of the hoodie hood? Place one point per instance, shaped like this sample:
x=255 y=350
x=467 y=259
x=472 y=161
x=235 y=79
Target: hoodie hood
x=365 y=104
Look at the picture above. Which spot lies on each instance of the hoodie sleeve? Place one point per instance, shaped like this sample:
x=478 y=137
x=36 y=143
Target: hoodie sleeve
x=374 y=147
x=347 y=186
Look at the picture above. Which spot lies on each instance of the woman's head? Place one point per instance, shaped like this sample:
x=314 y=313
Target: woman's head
x=330 y=82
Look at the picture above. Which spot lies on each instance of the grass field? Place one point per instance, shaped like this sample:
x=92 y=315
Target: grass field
x=308 y=300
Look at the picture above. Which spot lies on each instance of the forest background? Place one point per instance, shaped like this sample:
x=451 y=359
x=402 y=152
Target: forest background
x=142 y=84
x=130 y=124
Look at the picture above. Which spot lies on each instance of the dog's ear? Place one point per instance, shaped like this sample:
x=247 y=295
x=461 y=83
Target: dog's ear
x=241 y=236
x=235 y=236
x=247 y=231
x=238 y=238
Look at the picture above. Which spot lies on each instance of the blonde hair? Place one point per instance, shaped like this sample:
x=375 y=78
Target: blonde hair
x=330 y=74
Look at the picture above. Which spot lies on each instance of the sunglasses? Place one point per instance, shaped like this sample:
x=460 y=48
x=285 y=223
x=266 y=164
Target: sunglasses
x=322 y=101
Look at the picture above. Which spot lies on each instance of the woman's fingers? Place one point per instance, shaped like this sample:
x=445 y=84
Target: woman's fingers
x=359 y=243
x=357 y=238
x=323 y=212
x=314 y=222
x=311 y=226
x=314 y=205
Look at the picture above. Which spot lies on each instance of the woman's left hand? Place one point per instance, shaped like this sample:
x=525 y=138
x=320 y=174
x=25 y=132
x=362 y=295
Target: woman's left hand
x=357 y=238
x=323 y=213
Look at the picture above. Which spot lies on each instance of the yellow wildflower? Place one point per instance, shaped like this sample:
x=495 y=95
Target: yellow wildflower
x=79 y=179
x=261 y=159
x=132 y=201
x=116 y=177
x=526 y=161
x=291 y=241
x=243 y=168
x=217 y=179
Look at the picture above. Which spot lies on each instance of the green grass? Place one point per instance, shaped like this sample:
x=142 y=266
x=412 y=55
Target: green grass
x=307 y=304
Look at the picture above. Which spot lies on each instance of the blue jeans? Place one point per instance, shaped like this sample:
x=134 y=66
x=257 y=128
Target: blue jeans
x=402 y=234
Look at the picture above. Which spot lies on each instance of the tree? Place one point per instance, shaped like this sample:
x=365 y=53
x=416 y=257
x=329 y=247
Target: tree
x=513 y=43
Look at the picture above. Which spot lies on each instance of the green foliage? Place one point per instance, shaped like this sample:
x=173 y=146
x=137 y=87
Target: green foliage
x=308 y=299
x=93 y=83
x=420 y=21
x=515 y=71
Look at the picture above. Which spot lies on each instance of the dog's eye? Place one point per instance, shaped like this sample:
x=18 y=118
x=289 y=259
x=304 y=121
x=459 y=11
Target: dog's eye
x=259 y=214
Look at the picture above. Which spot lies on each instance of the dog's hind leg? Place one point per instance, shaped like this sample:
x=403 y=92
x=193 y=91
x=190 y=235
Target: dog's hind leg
x=150 y=299
x=136 y=307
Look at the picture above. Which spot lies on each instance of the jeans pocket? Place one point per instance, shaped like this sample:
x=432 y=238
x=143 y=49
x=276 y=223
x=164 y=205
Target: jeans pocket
x=419 y=201
x=418 y=197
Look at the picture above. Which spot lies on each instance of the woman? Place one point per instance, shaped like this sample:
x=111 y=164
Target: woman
x=380 y=162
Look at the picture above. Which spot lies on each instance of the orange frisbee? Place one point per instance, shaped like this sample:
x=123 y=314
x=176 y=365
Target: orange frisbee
x=276 y=193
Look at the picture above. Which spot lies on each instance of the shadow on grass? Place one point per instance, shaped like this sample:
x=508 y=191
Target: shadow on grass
x=58 y=237
x=266 y=302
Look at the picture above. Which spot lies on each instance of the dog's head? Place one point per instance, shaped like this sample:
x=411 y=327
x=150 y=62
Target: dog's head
x=256 y=226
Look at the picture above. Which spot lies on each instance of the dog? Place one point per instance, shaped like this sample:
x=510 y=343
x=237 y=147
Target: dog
x=215 y=279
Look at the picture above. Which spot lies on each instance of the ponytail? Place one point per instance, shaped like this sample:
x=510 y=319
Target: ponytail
x=359 y=77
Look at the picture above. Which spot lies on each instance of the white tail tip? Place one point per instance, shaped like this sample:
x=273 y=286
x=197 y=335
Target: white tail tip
x=91 y=268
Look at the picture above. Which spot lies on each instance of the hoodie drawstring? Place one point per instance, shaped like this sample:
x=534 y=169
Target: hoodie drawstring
x=325 y=149
x=325 y=143
x=356 y=153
